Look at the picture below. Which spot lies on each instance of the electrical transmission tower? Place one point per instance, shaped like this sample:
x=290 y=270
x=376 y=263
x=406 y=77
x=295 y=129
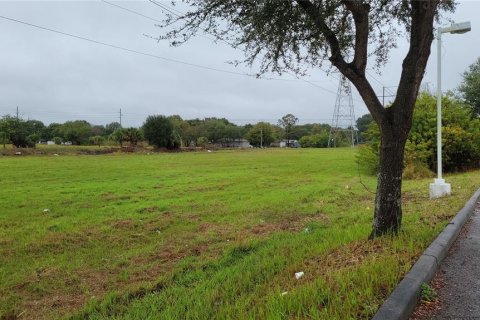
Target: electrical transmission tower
x=343 y=121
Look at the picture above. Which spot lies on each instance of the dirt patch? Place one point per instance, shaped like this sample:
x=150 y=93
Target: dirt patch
x=193 y=217
x=412 y=197
x=294 y=224
x=96 y=151
x=433 y=220
x=57 y=242
x=60 y=298
x=148 y=209
x=158 y=223
x=123 y=224
x=425 y=309
x=51 y=306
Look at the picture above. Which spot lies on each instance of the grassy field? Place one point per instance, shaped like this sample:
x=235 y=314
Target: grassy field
x=204 y=235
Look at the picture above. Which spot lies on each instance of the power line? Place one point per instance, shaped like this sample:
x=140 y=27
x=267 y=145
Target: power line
x=179 y=13
x=171 y=10
x=390 y=94
x=124 y=48
x=132 y=11
x=152 y=55
x=381 y=83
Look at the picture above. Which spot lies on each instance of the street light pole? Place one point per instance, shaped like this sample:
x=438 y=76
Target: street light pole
x=439 y=188
x=439 y=105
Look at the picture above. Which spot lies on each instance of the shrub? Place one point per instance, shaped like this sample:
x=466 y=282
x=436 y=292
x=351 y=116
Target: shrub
x=18 y=132
x=133 y=135
x=460 y=137
x=367 y=159
x=97 y=140
x=118 y=136
x=202 y=142
x=314 y=141
x=159 y=132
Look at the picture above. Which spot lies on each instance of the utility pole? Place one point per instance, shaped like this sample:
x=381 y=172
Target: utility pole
x=17 y=112
x=391 y=95
x=120 y=117
x=383 y=96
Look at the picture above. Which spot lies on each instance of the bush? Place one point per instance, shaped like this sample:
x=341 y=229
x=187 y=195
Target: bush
x=314 y=141
x=57 y=140
x=416 y=161
x=367 y=159
x=460 y=137
x=96 y=140
x=159 y=132
x=202 y=142
x=133 y=135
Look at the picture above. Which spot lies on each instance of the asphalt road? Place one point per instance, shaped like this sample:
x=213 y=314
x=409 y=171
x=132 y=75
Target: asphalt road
x=460 y=273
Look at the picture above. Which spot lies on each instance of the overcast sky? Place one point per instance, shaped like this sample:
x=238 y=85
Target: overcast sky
x=53 y=77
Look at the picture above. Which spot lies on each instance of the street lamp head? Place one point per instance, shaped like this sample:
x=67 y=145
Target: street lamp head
x=460 y=27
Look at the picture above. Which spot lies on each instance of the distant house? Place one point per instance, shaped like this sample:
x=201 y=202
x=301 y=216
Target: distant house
x=236 y=143
x=283 y=144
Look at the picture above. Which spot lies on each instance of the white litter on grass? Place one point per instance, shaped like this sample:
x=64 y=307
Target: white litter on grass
x=46 y=210
x=18 y=153
x=284 y=293
x=55 y=154
x=209 y=150
x=306 y=230
x=298 y=275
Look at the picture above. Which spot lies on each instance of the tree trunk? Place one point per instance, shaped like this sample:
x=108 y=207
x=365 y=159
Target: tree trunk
x=388 y=202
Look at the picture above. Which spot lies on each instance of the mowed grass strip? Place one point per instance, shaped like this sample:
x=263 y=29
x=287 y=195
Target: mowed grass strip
x=204 y=235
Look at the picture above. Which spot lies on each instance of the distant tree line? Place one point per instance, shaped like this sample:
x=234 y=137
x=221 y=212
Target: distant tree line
x=168 y=132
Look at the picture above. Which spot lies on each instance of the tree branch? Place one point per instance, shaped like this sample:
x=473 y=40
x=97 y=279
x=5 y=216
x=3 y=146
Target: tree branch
x=414 y=64
x=359 y=12
x=354 y=71
x=336 y=53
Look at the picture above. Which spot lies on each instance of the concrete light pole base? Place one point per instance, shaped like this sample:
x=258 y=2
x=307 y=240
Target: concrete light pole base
x=439 y=188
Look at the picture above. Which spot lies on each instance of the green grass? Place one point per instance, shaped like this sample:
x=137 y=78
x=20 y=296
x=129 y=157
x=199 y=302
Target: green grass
x=204 y=235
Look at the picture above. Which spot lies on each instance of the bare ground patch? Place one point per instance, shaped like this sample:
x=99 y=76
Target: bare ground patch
x=295 y=223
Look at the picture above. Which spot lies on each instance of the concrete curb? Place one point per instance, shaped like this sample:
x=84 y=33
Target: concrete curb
x=404 y=298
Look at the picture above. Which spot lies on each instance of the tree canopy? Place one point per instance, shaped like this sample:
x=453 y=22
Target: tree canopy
x=288 y=122
x=160 y=132
x=470 y=87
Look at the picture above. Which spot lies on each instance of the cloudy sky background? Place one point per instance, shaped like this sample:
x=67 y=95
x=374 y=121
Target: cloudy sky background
x=55 y=78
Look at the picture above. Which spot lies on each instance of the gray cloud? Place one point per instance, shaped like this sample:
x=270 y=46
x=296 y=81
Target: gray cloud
x=55 y=78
